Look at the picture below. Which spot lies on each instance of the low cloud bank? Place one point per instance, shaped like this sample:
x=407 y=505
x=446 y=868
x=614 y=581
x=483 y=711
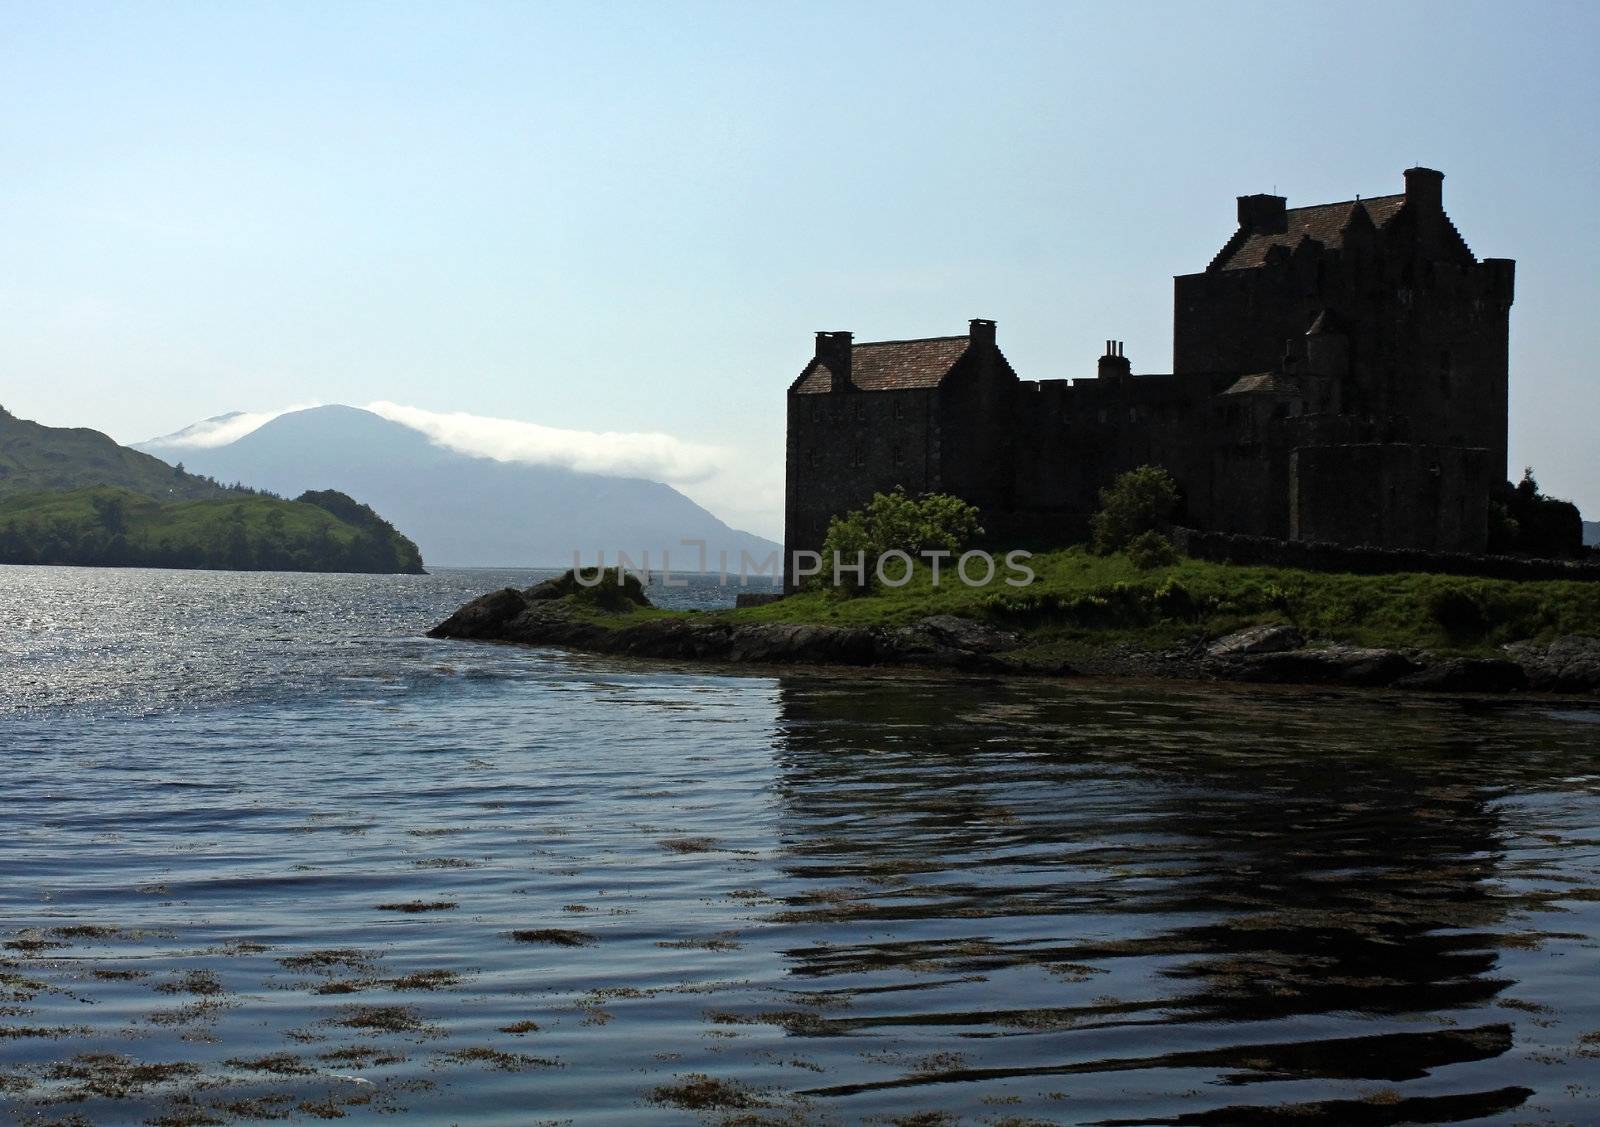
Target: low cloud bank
x=660 y=457
x=223 y=429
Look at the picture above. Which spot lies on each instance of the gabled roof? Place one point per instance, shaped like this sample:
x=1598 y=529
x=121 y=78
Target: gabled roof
x=890 y=365
x=1264 y=383
x=1324 y=223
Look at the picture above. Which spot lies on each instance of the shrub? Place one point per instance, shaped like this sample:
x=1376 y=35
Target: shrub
x=1150 y=550
x=1173 y=600
x=599 y=587
x=1139 y=501
x=895 y=522
x=1459 y=611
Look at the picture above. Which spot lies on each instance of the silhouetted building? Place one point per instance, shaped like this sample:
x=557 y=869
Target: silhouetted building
x=1339 y=374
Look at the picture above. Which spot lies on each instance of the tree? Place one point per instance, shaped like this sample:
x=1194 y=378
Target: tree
x=112 y=511
x=1525 y=522
x=934 y=522
x=1139 y=501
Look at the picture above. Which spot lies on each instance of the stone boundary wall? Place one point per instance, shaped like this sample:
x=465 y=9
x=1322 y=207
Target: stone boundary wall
x=756 y=598
x=1227 y=547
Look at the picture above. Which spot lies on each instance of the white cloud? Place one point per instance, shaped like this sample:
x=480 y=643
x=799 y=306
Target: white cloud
x=223 y=429
x=660 y=457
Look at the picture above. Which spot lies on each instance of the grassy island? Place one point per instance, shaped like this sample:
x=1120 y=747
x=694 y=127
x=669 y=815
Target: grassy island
x=1131 y=604
x=1081 y=600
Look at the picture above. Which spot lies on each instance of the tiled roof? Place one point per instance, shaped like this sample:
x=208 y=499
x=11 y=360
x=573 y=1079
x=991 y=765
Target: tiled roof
x=891 y=365
x=1324 y=222
x=1264 y=383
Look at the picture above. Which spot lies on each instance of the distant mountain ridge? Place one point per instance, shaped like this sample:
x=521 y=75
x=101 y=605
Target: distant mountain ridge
x=468 y=510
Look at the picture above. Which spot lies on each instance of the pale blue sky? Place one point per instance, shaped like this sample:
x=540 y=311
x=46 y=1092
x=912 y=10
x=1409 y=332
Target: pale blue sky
x=633 y=216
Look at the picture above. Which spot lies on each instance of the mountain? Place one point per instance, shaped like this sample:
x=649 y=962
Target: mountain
x=36 y=458
x=1591 y=533
x=467 y=510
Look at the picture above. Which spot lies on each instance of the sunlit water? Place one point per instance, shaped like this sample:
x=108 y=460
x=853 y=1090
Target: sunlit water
x=645 y=893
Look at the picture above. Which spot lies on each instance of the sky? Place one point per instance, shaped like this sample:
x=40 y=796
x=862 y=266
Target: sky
x=626 y=221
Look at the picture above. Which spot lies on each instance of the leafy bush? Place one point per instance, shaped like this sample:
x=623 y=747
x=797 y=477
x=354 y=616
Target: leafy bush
x=596 y=587
x=1139 y=501
x=1173 y=600
x=1150 y=550
x=895 y=522
x=1459 y=611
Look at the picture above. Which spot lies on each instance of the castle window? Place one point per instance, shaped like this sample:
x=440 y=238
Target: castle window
x=897 y=452
x=899 y=407
x=855 y=455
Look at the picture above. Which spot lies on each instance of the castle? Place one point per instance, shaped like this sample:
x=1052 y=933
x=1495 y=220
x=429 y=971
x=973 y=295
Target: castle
x=1338 y=374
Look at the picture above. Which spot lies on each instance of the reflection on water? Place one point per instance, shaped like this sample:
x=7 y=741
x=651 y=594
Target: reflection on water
x=495 y=885
x=1271 y=890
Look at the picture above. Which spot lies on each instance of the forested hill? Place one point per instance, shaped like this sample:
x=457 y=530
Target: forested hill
x=105 y=526
x=36 y=458
x=74 y=496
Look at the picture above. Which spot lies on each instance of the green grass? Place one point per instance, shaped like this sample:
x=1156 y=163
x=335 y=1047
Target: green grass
x=1079 y=598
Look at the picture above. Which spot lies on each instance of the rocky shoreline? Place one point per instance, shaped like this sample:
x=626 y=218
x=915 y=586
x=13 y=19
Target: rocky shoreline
x=548 y=615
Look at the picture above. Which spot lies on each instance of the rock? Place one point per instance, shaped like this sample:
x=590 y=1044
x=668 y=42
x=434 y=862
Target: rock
x=1468 y=675
x=484 y=617
x=945 y=641
x=1343 y=665
x=954 y=632
x=1256 y=640
x=1567 y=665
x=786 y=642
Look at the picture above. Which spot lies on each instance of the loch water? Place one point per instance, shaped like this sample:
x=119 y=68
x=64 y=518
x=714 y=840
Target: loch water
x=267 y=853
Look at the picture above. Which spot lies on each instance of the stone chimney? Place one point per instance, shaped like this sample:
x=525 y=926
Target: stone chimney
x=981 y=332
x=1425 y=188
x=1114 y=365
x=1264 y=215
x=834 y=350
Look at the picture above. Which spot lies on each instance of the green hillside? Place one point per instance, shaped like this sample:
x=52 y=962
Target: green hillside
x=74 y=496
x=36 y=459
x=106 y=526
